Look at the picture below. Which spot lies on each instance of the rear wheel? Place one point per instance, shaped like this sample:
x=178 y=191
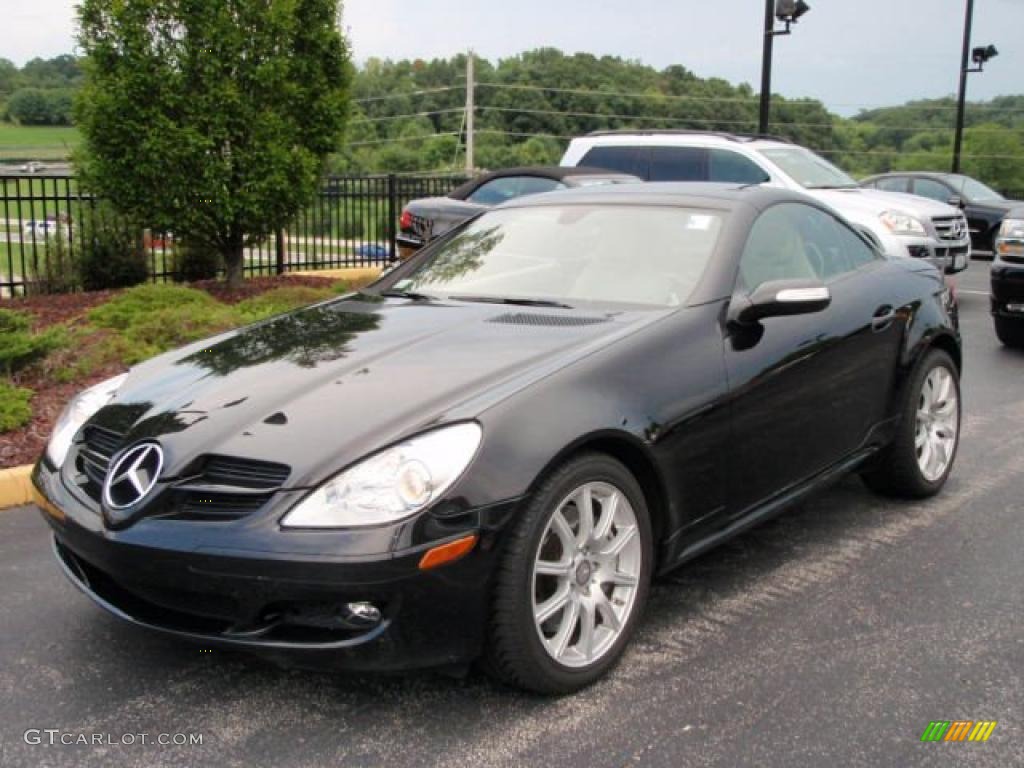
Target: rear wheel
x=920 y=459
x=573 y=580
x=1010 y=331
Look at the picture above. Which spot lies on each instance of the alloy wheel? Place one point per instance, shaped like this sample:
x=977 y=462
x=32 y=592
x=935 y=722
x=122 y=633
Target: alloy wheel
x=938 y=416
x=586 y=574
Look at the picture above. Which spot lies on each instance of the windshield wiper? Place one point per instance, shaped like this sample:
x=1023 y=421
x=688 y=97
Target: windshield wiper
x=517 y=302
x=398 y=293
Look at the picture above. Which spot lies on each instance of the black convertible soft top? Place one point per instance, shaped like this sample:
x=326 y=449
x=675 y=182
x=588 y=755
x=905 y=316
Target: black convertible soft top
x=557 y=172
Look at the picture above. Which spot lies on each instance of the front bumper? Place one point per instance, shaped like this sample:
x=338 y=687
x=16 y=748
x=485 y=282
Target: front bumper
x=1007 y=296
x=291 y=608
x=948 y=257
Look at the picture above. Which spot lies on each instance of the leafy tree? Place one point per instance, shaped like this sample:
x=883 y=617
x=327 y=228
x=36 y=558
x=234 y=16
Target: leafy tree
x=211 y=119
x=29 y=106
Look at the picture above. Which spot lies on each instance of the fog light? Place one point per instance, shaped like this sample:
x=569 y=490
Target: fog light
x=367 y=614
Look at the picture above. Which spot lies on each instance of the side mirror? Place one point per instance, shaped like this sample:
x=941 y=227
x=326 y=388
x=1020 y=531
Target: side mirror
x=956 y=201
x=779 y=298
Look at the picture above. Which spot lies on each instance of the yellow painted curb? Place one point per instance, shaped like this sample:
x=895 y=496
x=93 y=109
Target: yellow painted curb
x=15 y=486
x=358 y=275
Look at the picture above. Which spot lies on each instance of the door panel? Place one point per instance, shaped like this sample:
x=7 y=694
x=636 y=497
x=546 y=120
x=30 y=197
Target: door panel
x=807 y=390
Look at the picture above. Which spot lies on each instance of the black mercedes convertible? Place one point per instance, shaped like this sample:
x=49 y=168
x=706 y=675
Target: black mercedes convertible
x=489 y=453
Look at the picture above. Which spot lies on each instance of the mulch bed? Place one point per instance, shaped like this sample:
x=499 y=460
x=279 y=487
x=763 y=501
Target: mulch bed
x=25 y=445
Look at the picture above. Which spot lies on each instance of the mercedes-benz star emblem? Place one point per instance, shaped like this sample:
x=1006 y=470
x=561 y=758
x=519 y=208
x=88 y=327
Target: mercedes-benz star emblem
x=133 y=476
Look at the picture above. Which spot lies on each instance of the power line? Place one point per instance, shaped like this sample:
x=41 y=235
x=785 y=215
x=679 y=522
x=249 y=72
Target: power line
x=393 y=96
x=398 y=139
x=406 y=116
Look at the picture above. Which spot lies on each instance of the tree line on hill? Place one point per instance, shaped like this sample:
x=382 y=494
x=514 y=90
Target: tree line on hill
x=408 y=116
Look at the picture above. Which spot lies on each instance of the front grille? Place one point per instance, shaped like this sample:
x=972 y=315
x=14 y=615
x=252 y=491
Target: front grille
x=95 y=450
x=243 y=473
x=950 y=228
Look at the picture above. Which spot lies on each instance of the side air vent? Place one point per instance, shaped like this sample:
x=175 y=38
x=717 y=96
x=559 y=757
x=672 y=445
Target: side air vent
x=553 y=321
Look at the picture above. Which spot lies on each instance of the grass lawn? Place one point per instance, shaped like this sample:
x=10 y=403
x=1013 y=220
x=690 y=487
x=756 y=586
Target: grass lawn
x=36 y=142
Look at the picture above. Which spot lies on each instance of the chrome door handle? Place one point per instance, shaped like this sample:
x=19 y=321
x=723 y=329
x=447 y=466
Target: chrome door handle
x=883 y=318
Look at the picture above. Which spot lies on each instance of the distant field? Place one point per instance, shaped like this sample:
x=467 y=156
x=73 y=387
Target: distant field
x=29 y=142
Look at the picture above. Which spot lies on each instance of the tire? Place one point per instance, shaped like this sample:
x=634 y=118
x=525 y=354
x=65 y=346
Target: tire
x=523 y=649
x=903 y=469
x=1010 y=332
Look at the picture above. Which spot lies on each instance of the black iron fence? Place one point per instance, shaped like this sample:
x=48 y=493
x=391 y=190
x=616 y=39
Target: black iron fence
x=352 y=222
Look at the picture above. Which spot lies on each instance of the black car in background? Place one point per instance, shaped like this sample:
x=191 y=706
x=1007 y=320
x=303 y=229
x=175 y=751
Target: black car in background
x=983 y=206
x=1007 y=295
x=492 y=450
x=423 y=220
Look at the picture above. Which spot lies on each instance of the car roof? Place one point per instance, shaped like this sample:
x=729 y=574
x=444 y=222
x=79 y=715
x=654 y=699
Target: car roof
x=923 y=174
x=677 y=194
x=670 y=137
x=555 y=172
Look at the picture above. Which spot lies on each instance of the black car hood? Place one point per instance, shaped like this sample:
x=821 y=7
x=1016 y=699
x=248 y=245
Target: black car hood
x=321 y=387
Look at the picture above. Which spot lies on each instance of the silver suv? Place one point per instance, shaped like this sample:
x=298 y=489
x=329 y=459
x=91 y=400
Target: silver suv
x=901 y=224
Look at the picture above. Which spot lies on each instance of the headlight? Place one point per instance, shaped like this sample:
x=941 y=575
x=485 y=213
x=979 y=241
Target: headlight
x=391 y=485
x=81 y=408
x=1012 y=229
x=902 y=223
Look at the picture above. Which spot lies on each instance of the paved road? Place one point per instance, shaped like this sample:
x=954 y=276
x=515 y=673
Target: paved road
x=830 y=636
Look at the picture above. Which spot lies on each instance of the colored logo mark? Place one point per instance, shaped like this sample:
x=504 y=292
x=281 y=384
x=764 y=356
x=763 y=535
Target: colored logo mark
x=959 y=730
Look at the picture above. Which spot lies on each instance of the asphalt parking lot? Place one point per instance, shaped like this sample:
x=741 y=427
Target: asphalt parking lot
x=830 y=636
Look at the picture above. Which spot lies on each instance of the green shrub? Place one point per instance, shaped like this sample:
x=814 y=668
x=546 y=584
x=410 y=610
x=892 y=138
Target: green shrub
x=171 y=327
x=112 y=253
x=19 y=347
x=14 y=406
x=11 y=321
x=195 y=261
x=52 y=265
x=136 y=305
x=279 y=300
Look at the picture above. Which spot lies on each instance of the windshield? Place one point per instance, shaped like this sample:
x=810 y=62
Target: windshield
x=972 y=189
x=808 y=169
x=623 y=254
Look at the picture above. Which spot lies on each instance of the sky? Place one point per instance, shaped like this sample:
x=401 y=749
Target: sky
x=850 y=54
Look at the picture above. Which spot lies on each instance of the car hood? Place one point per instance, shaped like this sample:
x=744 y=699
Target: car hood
x=875 y=201
x=321 y=387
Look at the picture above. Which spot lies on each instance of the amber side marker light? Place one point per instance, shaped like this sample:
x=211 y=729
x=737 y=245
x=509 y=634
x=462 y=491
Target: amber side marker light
x=447 y=553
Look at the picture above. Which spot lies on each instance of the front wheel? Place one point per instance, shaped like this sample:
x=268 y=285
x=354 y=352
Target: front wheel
x=1010 y=331
x=919 y=460
x=573 y=580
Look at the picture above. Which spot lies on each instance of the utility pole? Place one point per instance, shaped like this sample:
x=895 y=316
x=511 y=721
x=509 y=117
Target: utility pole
x=961 y=99
x=470 y=114
x=766 y=65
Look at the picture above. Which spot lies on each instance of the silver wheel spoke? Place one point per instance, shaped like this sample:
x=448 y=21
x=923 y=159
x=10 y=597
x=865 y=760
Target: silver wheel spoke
x=553 y=604
x=548 y=568
x=585 y=510
x=561 y=528
x=569 y=620
x=608 y=509
x=609 y=618
x=588 y=624
x=622 y=539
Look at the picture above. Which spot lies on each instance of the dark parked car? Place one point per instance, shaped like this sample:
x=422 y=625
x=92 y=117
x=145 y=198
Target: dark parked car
x=1007 y=295
x=493 y=449
x=983 y=206
x=423 y=220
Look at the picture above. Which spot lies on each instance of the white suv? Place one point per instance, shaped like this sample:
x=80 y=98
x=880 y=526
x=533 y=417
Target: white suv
x=903 y=225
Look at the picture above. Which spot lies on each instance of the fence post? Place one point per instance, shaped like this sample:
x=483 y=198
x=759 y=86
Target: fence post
x=279 y=247
x=392 y=214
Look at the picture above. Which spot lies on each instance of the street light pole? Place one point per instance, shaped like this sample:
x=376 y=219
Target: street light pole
x=766 y=65
x=961 y=100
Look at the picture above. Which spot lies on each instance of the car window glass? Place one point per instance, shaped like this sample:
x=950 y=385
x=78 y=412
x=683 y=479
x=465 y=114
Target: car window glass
x=496 y=191
x=793 y=241
x=535 y=185
x=895 y=184
x=678 y=164
x=631 y=160
x=727 y=166
x=932 y=189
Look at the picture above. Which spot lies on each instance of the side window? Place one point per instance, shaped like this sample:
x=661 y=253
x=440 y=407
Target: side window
x=631 y=160
x=933 y=189
x=793 y=241
x=724 y=165
x=535 y=185
x=500 y=190
x=892 y=184
x=679 y=164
